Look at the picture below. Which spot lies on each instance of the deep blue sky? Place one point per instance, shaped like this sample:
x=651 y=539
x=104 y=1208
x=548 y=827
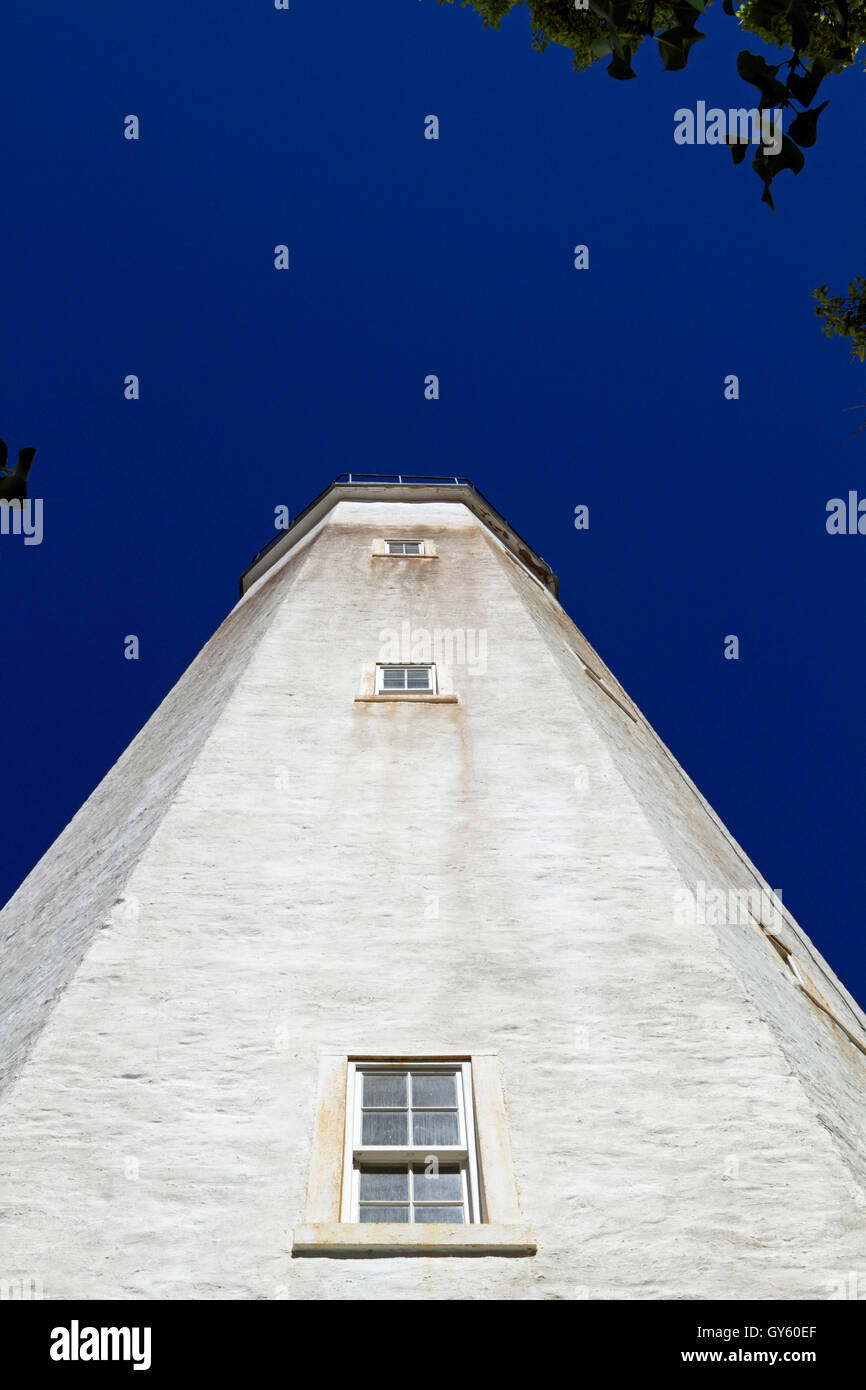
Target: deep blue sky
x=408 y=257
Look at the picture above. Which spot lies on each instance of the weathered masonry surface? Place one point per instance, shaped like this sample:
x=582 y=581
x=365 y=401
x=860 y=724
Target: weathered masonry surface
x=275 y=871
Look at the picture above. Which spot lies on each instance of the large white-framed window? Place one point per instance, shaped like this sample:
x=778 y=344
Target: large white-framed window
x=416 y=1179
x=404 y=547
x=411 y=1155
x=418 y=677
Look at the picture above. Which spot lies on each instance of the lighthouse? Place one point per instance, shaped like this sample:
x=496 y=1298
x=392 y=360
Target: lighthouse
x=397 y=957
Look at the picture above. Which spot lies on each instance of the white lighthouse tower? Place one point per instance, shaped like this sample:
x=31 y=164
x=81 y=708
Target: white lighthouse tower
x=398 y=958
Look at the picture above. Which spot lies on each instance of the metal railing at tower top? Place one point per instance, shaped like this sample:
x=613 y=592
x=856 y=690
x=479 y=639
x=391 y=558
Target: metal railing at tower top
x=431 y=479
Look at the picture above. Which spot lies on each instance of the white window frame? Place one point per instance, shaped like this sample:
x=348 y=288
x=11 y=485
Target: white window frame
x=464 y=1155
x=324 y=1231
x=383 y=666
x=380 y=548
x=411 y=541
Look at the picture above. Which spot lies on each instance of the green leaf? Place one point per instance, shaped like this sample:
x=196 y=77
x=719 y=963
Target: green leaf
x=601 y=47
x=674 y=46
x=805 y=88
x=728 y=6
x=758 y=73
x=754 y=68
x=620 y=67
x=839 y=13
x=804 y=128
x=799 y=17
x=611 y=33
x=685 y=14
x=789 y=157
x=764 y=13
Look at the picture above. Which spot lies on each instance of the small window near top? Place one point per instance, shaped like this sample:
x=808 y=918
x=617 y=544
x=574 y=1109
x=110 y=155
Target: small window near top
x=412 y=1144
x=420 y=678
x=405 y=547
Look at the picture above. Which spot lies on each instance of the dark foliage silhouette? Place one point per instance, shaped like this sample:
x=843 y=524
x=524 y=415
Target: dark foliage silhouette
x=13 y=482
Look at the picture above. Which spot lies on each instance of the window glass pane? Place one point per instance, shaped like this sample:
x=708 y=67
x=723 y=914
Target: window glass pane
x=411 y=547
x=378 y=1185
x=431 y=1088
x=444 y=1186
x=384 y=1090
x=435 y=1127
x=384 y=1127
x=384 y=1214
x=451 y=1214
x=407 y=678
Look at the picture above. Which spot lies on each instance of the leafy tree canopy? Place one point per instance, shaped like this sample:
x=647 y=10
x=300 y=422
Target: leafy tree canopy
x=822 y=37
x=844 y=315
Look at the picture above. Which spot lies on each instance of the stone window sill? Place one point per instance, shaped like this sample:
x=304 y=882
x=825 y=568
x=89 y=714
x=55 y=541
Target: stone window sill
x=342 y=1239
x=423 y=695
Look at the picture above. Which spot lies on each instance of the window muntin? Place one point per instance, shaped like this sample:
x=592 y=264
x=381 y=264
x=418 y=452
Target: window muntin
x=420 y=678
x=412 y=1146
x=404 y=547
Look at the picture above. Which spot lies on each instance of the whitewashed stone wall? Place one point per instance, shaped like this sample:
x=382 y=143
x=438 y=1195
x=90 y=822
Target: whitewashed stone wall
x=685 y=1124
